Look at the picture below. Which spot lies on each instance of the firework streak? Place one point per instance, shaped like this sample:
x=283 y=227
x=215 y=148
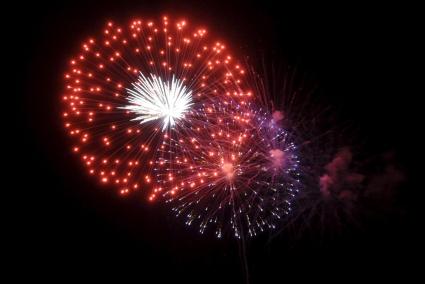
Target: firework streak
x=156 y=107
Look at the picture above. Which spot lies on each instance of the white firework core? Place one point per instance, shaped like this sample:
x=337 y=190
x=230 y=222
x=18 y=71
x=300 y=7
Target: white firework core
x=151 y=98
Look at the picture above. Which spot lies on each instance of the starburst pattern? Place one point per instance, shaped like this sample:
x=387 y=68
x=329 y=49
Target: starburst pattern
x=152 y=98
x=130 y=82
x=235 y=169
x=158 y=107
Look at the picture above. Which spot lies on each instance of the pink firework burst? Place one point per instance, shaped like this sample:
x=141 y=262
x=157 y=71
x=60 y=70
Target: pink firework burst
x=235 y=169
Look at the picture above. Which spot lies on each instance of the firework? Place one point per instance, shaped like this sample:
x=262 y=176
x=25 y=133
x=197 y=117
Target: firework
x=237 y=171
x=158 y=106
x=153 y=99
x=133 y=85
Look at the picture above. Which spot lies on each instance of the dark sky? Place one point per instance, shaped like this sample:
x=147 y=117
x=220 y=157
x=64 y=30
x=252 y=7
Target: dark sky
x=66 y=225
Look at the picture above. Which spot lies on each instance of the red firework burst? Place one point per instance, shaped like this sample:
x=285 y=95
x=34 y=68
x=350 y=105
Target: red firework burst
x=138 y=84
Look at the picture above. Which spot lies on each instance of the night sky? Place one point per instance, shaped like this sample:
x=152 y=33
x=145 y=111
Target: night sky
x=67 y=225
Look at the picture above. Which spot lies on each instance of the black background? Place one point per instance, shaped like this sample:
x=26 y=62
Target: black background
x=68 y=227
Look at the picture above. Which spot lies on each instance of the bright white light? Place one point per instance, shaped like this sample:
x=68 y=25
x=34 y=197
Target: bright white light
x=152 y=98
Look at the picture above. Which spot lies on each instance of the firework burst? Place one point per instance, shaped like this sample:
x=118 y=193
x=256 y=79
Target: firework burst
x=158 y=106
x=237 y=171
x=130 y=83
x=152 y=99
